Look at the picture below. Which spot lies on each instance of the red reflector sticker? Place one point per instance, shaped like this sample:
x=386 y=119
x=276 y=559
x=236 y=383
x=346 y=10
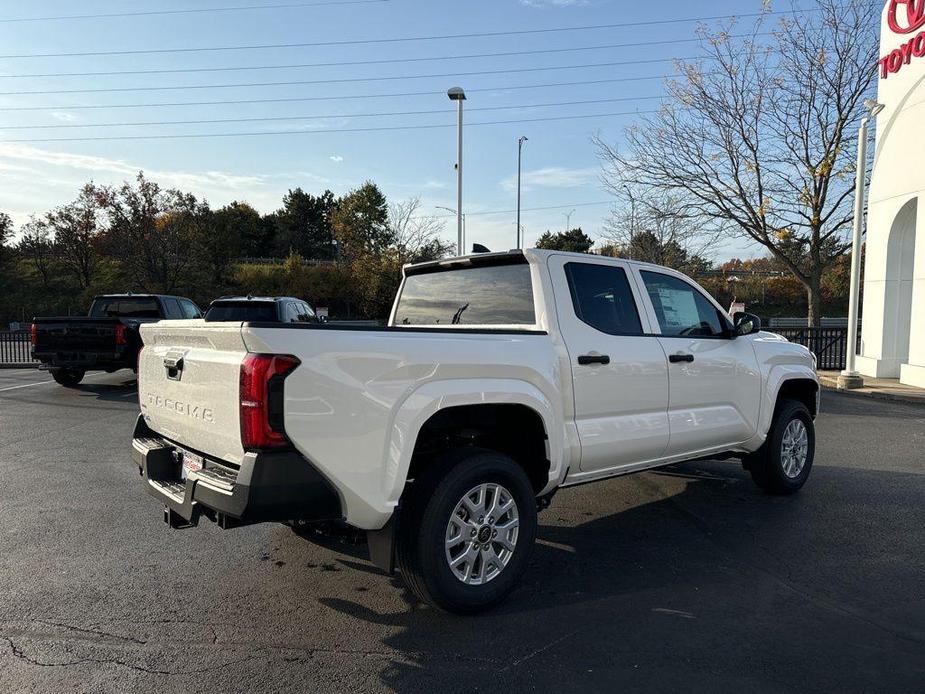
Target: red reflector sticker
x=191 y=463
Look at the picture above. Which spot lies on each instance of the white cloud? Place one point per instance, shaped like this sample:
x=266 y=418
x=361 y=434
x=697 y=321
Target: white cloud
x=43 y=178
x=434 y=185
x=552 y=177
x=336 y=158
x=64 y=116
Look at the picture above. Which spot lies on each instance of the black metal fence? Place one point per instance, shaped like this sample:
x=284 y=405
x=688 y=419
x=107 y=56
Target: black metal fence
x=828 y=344
x=14 y=347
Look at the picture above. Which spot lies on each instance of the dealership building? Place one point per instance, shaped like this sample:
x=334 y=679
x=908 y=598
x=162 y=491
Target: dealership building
x=893 y=332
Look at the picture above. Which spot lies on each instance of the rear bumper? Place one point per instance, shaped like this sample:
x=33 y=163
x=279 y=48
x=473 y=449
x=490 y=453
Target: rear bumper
x=272 y=486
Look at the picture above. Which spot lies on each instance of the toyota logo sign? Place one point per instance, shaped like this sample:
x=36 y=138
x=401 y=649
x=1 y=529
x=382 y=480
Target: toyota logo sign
x=914 y=16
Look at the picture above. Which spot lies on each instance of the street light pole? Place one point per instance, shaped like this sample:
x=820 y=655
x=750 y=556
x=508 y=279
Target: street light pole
x=520 y=146
x=458 y=95
x=850 y=378
x=568 y=219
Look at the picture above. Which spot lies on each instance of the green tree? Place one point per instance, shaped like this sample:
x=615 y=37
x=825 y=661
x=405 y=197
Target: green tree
x=303 y=225
x=361 y=223
x=223 y=238
x=573 y=240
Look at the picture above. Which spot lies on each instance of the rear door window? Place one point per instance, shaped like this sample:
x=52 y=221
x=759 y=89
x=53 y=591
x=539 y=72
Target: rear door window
x=602 y=298
x=172 y=308
x=190 y=310
x=487 y=295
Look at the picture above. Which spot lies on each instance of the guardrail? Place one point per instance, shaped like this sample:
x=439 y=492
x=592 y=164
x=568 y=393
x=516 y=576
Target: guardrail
x=14 y=348
x=828 y=344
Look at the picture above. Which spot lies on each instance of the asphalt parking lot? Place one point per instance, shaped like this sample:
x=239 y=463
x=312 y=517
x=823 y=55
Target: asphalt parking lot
x=684 y=579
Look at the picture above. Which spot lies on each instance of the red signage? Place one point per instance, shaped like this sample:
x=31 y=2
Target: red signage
x=904 y=17
x=914 y=16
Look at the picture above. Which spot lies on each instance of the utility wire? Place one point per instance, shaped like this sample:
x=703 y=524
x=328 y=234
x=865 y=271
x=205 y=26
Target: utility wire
x=281 y=100
x=150 y=13
x=351 y=63
x=408 y=39
x=184 y=136
x=260 y=119
x=344 y=80
x=527 y=209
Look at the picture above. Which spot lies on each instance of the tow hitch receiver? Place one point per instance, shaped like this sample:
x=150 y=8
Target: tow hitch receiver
x=178 y=522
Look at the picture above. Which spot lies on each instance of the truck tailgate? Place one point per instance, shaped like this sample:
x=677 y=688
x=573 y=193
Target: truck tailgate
x=188 y=380
x=75 y=334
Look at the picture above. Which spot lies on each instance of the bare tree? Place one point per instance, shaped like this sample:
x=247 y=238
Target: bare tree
x=756 y=139
x=416 y=236
x=656 y=227
x=36 y=246
x=76 y=227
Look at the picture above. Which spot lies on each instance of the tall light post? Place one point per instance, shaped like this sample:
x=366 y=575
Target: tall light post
x=568 y=218
x=850 y=378
x=450 y=209
x=458 y=95
x=520 y=146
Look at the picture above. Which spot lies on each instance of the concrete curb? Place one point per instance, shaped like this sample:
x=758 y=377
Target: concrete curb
x=872 y=393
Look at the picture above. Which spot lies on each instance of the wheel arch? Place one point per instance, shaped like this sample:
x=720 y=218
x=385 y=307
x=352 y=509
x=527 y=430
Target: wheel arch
x=511 y=416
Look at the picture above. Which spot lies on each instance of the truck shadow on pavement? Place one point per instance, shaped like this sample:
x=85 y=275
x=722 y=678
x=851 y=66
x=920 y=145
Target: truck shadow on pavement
x=695 y=566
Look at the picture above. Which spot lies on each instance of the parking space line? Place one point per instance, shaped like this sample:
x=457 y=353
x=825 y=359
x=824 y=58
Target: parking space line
x=39 y=383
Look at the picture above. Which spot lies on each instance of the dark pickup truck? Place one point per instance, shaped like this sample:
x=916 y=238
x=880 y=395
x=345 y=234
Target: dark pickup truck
x=106 y=339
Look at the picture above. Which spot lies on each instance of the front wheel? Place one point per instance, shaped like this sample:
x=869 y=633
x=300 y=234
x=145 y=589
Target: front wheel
x=68 y=378
x=466 y=531
x=783 y=463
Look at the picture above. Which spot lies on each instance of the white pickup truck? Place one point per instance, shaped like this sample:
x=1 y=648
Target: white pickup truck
x=500 y=378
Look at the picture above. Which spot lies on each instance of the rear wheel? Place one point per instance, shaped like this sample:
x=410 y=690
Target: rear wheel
x=782 y=465
x=466 y=531
x=68 y=378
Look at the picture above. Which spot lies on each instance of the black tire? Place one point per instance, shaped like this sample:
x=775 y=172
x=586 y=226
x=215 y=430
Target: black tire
x=69 y=378
x=767 y=464
x=427 y=507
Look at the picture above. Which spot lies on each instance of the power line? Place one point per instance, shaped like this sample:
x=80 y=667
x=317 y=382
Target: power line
x=407 y=39
x=345 y=80
x=184 y=136
x=236 y=8
x=530 y=209
x=548 y=85
x=258 y=119
x=352 y=63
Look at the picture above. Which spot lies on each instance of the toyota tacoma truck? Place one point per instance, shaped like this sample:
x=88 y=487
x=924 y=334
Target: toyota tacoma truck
x=499 y=379
x=106 y=339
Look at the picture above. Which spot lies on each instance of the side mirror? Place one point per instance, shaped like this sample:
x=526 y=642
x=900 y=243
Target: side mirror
x=745 y=323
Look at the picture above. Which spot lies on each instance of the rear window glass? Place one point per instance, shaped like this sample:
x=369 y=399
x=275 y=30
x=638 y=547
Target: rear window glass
x=126 y=307
x=490 y=295
x=242 y=312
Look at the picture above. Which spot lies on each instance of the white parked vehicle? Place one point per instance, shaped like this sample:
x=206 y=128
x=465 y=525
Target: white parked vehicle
x=500 y=378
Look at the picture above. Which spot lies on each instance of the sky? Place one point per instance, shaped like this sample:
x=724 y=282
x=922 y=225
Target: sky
x=398 y=96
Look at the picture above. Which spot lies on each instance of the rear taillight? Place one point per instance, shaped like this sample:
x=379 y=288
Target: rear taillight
x=120 y=335
x=261 y=400
x=35 y=334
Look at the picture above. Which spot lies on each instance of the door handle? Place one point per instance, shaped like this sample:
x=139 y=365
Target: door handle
x=675 y=358
x=585 y=359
